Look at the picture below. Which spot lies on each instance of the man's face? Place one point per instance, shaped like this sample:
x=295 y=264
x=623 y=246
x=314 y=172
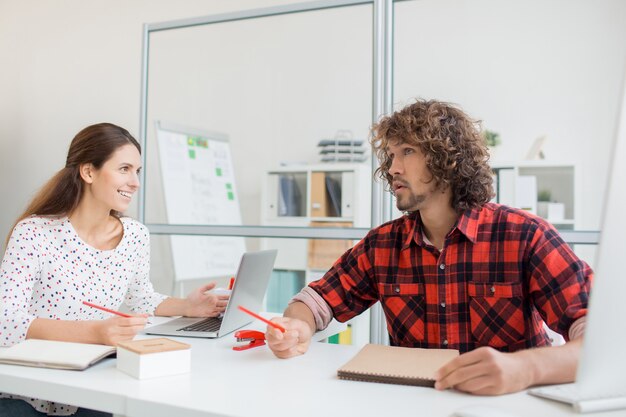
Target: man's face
x=411 y=182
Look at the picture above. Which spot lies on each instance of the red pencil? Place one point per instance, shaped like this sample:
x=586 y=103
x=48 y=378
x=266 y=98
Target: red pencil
x=231 y=283
x=263 y=319
x=108 y=310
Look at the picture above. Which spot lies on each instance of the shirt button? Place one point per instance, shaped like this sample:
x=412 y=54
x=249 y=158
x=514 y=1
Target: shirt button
x=442 y=266
x=492 y=289
x=443 y=305
x=396 y=290
x=445 y=342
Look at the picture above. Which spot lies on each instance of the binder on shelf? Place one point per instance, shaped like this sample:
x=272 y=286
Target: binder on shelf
x=347 y=194
x=289 y=196
x=319 y=201
x=334 y=339
x=334 y=190
x=342 y=338
x=345 y=337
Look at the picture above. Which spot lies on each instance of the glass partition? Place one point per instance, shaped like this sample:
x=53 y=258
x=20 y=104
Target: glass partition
x=271 y=88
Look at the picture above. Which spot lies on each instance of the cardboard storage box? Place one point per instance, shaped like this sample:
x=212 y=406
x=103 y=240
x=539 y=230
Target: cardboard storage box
x=324 y=252
x=150 y=358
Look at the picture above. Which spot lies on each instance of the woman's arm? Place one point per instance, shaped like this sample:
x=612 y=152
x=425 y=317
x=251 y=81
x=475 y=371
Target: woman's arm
x=200 y=303
x=105 y=332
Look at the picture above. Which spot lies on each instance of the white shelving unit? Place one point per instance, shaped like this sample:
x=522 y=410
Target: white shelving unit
x=318 y=195
x=519 y=184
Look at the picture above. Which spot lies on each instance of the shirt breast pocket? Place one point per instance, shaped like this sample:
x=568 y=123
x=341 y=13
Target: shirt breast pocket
x=497 y=314
x=404 y=309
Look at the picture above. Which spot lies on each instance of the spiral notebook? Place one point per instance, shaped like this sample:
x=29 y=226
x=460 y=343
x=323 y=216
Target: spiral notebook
x=396 y=365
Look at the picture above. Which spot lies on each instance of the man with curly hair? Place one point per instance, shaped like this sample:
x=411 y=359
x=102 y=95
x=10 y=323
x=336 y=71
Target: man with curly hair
x=456 y=271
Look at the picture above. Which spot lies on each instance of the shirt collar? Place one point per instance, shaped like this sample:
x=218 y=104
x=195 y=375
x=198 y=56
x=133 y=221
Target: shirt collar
x=467 y=224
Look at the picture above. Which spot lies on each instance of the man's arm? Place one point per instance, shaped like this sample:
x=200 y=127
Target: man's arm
x=486 y=371
x=298 y=310
x=299 y=324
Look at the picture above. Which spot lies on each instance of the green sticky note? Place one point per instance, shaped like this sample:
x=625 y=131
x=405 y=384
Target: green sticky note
x=218 y=172
x=231 y=196
x=229 y=186
x=192 y=154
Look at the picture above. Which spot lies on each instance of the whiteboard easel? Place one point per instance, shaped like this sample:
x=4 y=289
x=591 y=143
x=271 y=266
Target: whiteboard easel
x=199 y=188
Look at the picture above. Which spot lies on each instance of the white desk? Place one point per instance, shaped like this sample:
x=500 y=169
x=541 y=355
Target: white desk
x=253 y=383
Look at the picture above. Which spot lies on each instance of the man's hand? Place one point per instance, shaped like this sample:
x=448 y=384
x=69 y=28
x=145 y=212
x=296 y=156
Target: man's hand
x=295 y=341
x=486 y=371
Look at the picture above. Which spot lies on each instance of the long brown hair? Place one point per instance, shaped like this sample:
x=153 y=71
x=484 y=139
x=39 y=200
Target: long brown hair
x=94 y=145
x=455 y=151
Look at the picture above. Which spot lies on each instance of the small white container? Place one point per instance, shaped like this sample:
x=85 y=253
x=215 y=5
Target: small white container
x=151 y=358
x=553 y=212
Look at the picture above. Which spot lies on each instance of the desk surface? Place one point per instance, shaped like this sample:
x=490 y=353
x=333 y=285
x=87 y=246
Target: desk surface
x=224 y=382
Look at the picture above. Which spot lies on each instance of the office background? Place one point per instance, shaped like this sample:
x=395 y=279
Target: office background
x=526 y=68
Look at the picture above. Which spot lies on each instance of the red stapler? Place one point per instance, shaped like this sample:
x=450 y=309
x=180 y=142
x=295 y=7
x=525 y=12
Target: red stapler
x=255 y=338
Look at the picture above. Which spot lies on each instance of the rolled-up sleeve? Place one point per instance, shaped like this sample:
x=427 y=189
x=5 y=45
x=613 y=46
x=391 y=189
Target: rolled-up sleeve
x=348 y=287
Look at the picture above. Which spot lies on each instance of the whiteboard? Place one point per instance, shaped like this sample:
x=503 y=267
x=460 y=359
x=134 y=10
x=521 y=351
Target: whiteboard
x=199 y=188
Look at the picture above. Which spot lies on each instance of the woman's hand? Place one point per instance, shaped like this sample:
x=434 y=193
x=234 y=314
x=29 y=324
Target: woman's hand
x=118 y=329
x=201 y=302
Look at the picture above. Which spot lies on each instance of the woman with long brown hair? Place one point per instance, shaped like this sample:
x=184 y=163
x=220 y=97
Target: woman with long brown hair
x=72 y=244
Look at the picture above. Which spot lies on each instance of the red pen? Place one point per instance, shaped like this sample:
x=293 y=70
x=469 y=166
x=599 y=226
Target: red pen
x=263 y=319
x=108 y=310
x=231 y=283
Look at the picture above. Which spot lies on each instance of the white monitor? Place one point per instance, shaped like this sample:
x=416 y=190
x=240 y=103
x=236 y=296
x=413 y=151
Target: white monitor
x=601 y=376
x=603 y=365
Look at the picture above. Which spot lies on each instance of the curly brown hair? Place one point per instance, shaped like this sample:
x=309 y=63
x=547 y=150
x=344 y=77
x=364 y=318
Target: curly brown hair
x=454 y=148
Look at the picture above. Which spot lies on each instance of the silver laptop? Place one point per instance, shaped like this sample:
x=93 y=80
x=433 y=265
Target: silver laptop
x=601 y=375
x=251 y=282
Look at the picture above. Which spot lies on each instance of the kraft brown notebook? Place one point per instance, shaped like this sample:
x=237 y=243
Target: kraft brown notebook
x=396 y=365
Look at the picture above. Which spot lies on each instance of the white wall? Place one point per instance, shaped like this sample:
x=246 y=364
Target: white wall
x=526 y=68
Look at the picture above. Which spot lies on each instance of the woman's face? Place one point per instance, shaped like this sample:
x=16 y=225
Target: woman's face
x=117 y=180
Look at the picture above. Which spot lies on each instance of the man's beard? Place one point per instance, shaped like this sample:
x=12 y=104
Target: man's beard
x=410 y=203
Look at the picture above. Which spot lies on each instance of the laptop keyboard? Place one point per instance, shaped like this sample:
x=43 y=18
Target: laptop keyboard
x=210 y=324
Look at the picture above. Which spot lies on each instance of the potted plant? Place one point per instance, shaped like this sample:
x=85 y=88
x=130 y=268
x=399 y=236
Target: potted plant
x=492 y=140
x=546 y=208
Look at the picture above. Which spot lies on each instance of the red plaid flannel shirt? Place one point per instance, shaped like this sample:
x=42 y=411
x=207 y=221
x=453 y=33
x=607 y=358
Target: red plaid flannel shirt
x=501 y=273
